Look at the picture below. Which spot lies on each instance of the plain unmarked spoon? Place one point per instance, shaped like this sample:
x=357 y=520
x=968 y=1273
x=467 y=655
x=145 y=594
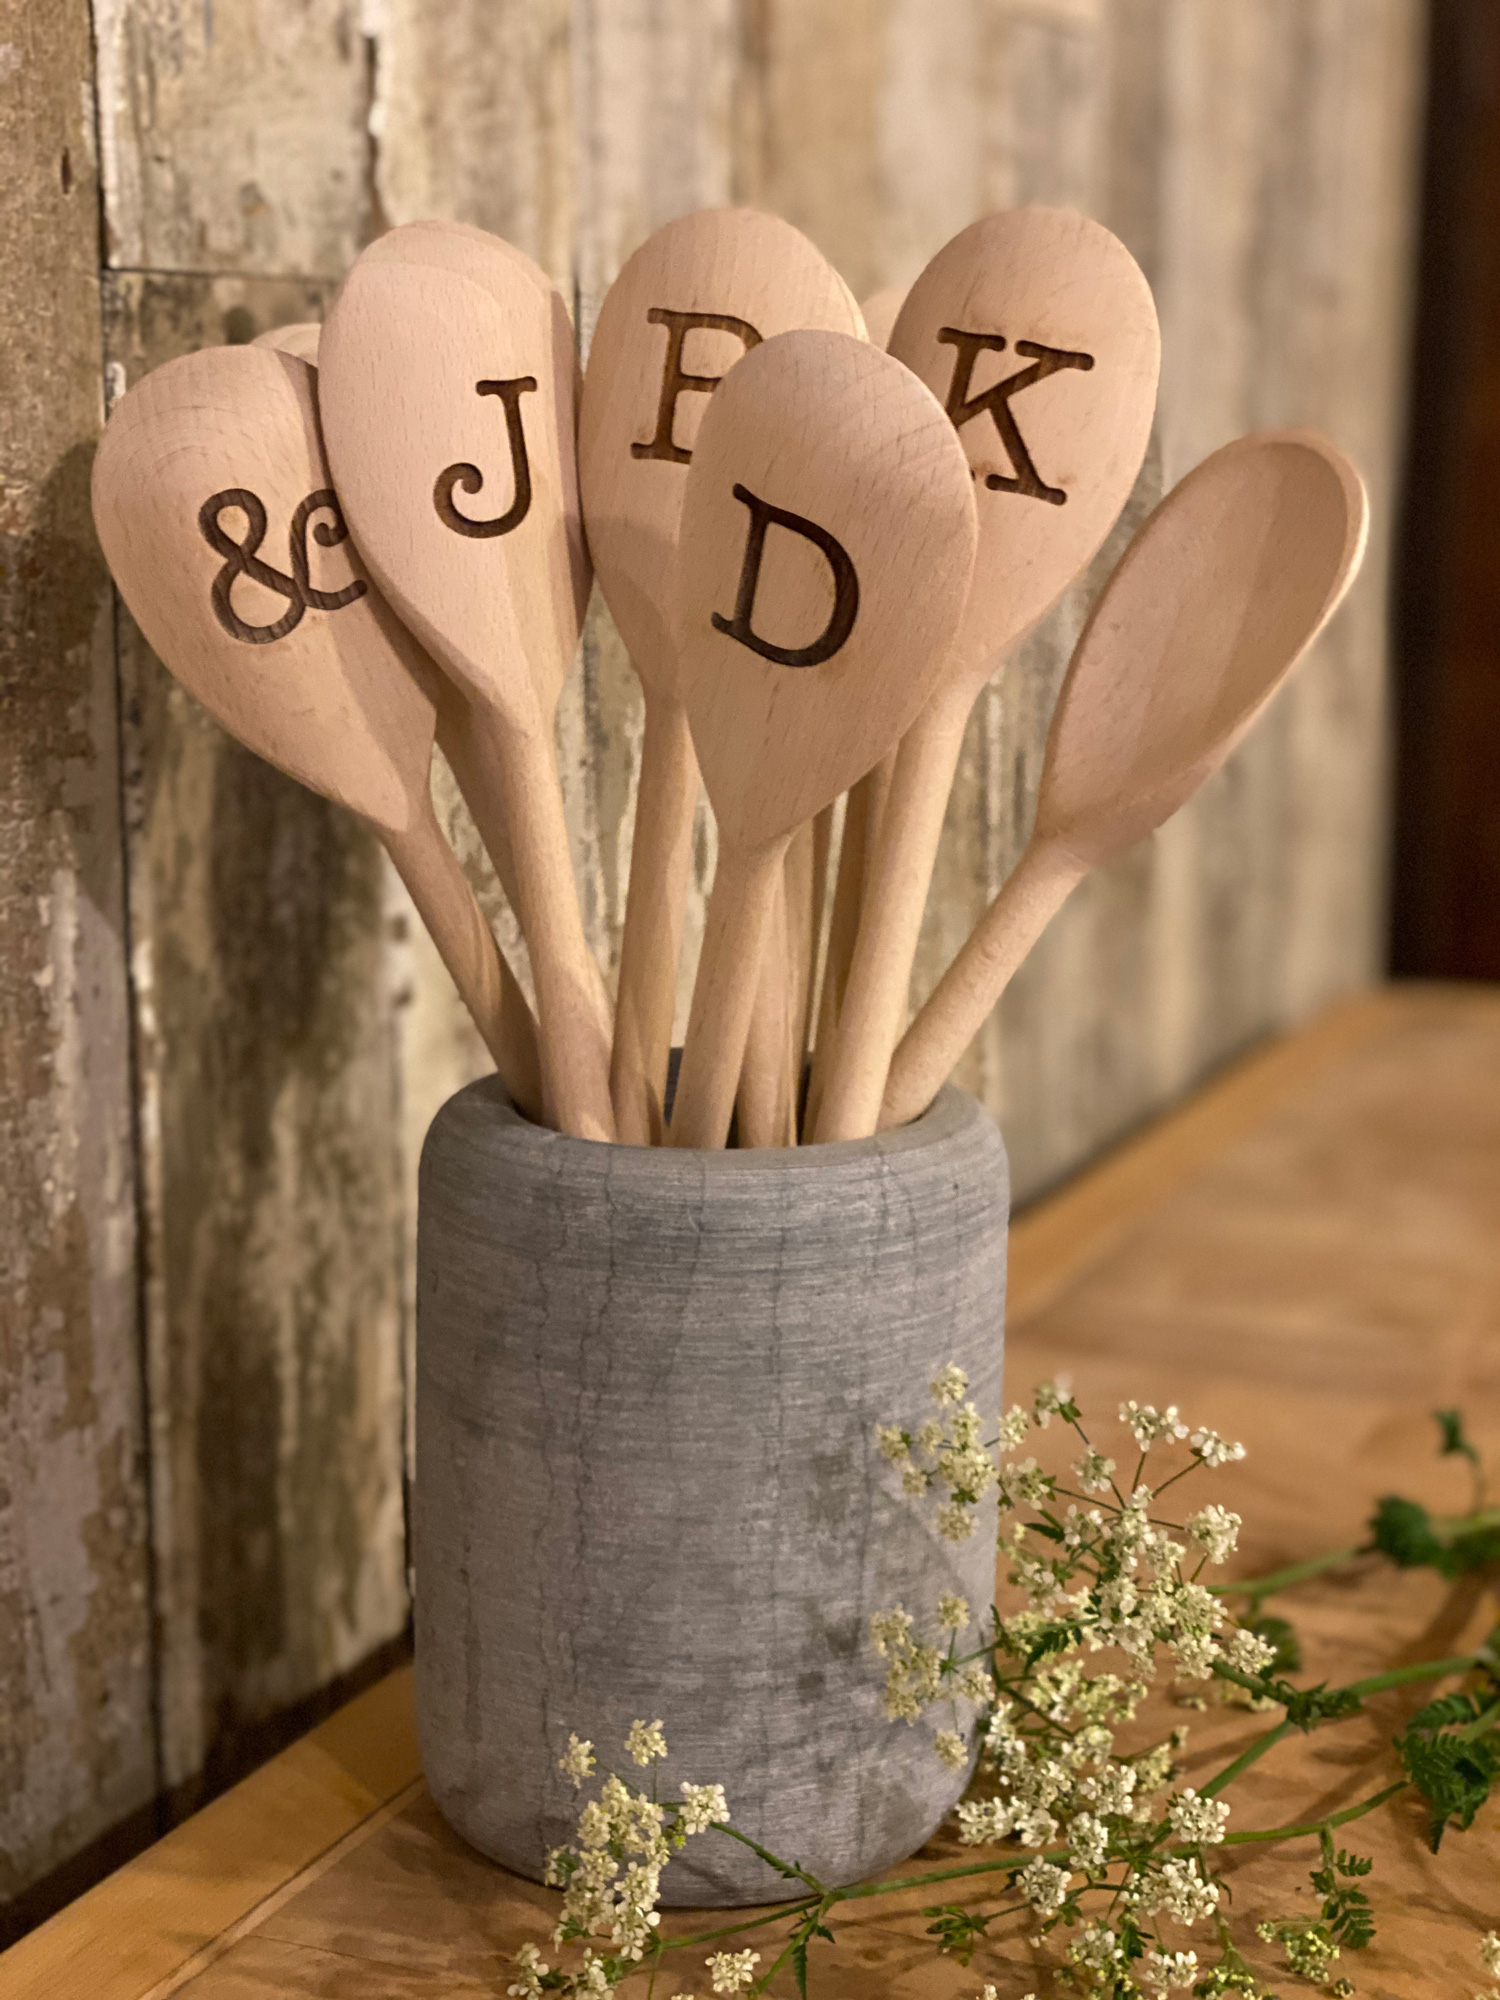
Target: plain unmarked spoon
x=1037 y=331
x=430 y=381
x=209 y=469
x=1217 y=597
x=827 y=544
x=684 y=308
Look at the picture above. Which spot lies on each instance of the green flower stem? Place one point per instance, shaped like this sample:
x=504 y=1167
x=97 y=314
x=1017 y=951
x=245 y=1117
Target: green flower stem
x=1317 y=1825
x=789 y=1869
x=1423 y=1670
x=1283 y=1579
x=1246 y=1758
x=745 y=1924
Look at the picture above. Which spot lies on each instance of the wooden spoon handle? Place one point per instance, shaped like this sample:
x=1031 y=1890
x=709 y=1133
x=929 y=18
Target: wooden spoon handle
x=574 y=1042
x=862 y=813
x=896 y=884
x=660 y=860
x=448 y=907
x=767 y=1099
x=476 y=767
x=958 y=1006
x=724 y=995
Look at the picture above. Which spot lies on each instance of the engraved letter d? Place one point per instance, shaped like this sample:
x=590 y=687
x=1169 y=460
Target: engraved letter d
x=845 y=587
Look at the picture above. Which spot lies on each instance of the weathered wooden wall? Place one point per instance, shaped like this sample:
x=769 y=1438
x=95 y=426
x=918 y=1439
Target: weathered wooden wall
x=223 y=1035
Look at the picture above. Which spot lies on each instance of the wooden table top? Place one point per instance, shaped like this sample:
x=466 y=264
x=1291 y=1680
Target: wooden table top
x=1307 y=1257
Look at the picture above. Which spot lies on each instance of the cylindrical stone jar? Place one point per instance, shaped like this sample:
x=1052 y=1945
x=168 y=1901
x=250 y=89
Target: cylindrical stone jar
x=648 y=1482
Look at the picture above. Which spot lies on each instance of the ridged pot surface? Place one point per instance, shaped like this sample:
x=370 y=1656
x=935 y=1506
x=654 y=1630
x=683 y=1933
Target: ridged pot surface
x=648 y=1483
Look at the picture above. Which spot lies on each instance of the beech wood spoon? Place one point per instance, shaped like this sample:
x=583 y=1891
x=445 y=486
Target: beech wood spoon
x=1217 y=597
x=299 y=338
x=209 y=468
x=827 y=544
x=695 y=297
x=1054 y=443
x=425 y=371
x=469 y=747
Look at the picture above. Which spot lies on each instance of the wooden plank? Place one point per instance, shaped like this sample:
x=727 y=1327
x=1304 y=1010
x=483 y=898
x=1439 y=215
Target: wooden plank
x=144 y=1925
x=235 y=137
x=76 y=1744
x=1052 y=1243
x=272 y=1197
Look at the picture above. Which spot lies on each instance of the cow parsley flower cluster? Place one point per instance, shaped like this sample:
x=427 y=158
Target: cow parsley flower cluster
x=1096 y=1569
x=1075 y=1817
x=610 y=1875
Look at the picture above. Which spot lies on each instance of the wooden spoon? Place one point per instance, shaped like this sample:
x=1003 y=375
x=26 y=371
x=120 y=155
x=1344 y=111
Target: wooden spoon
x=1217 y=597
x=861 y=816
x=425 y=372
x=208 y=470
x=299 y=338
x=476 y=254
x=1055 y=444
x=827 y=543
x=684 y=308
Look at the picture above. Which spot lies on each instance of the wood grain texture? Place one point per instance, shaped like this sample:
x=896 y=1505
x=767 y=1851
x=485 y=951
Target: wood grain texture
x=271 y=1209
x=1304 y=1256
x=1256 y=159
x=76 y=1749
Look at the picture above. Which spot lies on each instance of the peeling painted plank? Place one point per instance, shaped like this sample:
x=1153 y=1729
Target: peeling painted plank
x=272 y=1192
x=76 y=1750
x=235 y=136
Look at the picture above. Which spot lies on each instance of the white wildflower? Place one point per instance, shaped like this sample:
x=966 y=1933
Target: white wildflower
x=1014 y=1427
x=952 y=1612
x=1161 y=1972
x=929 y=1437
x=972 y=1683
x=949 y=1386
x=531 y=1970
x=1247 y=1652
x=914 y=1481
x=1214 y=1450
x=1194 y=1819
x=1043 y=1885
x=1216 y=1531
x=645 y=1741
x=577 y=1760
x=981 y=1821
x=955 y=1521
x=1147 y=1424
x=1034 y=1826
x=593 y=1977
x=1179 y=1888
x=894 y=1444
x=951 y=1748
x=891 y=1630
x=1049 y=1399
x=1088 y=1843
x=1489 y=1951
x=702 y=1806
x=1025 y=1484
x=1094 y=1471
x=1097 y=1947
x=732 y=1971
x=1195 y=1654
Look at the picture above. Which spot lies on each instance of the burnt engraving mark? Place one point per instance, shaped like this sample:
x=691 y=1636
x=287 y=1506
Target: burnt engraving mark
x=468 y=478
x=241 y=558
x=674 y=381
x=962 y=407
x=845 y=587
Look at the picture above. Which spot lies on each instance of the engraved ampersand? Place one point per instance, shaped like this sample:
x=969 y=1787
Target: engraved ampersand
x=962 y=408
x=242 y=558
x=469 y=479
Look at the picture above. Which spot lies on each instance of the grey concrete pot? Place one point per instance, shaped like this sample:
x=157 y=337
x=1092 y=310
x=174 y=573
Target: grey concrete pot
x=647 y=1478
